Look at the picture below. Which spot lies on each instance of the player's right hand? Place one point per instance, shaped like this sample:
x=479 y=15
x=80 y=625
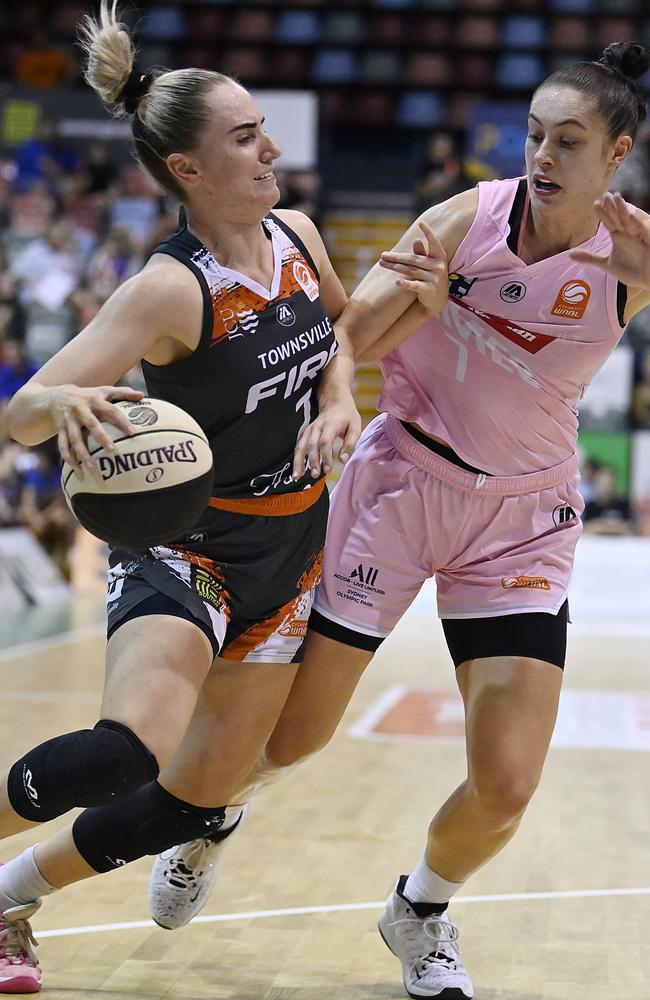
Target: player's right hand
x=78 y=412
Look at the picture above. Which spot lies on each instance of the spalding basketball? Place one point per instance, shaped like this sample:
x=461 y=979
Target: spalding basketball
x=153 y=487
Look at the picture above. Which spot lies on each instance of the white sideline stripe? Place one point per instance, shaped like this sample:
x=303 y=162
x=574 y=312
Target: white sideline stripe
x=63 y=639
x=296 y=911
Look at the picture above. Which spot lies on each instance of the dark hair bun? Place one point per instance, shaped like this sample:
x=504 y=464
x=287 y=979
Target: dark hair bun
x=629 y=58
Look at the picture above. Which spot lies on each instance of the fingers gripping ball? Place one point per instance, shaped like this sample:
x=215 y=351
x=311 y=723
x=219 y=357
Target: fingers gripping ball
x=153 y=487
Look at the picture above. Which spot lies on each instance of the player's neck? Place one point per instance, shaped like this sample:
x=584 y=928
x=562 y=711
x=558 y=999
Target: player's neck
x=240 y=246
x=546 y=236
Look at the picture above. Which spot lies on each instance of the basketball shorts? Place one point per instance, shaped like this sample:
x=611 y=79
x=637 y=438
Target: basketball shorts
x=246 y=580
x=401 y=514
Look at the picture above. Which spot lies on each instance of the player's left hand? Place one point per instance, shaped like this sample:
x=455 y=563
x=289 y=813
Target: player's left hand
x=337 y=419
x=425 y=270
x=629 y=258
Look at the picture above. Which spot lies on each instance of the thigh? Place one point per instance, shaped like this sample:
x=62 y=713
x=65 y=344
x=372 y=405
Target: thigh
x=235 y=713
x=155 y=668
x=324 y=684
x=377 y=550
x=510 y=710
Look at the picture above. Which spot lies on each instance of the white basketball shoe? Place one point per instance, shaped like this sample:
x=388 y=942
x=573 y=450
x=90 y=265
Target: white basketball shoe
x=427 y=947
x=183 y=877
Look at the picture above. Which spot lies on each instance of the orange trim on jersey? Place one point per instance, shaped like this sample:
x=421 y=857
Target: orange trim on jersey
x=275 y=506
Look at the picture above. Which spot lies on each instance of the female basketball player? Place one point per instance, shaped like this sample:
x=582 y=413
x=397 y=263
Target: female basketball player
x=470 y=475
x=232 y=319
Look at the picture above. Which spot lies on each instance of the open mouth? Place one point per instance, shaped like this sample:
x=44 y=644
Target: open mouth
x=543 y=186
x=266 y=176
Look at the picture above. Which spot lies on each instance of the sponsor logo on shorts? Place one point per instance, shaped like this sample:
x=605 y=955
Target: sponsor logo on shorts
x=296 y=629
x=459 y=286
x=525 y=583
x=572 y=300
x=365 y=576
x=207 y=587
x=563 y=514
x=512 y=291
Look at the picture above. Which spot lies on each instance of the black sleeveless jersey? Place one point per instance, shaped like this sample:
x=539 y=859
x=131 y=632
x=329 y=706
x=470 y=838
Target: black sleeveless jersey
x=251 y=381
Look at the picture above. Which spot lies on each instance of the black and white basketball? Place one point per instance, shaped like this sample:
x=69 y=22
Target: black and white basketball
x=153 y=487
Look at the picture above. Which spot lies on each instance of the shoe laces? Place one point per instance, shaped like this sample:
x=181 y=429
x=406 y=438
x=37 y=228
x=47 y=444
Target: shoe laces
x=17 y=942
x=186 y=864
x=439 y=929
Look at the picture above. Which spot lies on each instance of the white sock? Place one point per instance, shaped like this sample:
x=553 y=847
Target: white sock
x=425 y=886
x=22 y=882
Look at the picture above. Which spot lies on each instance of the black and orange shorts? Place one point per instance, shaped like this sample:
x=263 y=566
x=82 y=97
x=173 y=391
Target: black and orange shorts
x=245 y=575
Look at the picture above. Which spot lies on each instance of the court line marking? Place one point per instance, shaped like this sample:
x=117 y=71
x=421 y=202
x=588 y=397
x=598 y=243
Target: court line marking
x=296 y=911
x=62 y=639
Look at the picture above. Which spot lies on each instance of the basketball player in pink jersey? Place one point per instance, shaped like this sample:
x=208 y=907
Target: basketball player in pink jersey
x=470 y=475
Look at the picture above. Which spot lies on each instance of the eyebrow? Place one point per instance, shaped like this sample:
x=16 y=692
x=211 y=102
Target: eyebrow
x=237 y=128
x=565 y=121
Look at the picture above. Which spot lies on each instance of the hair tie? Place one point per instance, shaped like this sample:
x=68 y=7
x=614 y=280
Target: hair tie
x=135 y=88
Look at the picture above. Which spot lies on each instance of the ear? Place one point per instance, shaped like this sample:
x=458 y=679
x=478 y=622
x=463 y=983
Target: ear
x=183 y=168
x=622 y=147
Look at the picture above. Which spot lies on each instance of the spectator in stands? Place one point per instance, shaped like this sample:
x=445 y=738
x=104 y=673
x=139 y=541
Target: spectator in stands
x=137 y=208
x=43 y=64
x=12 y=317
x=641 y=396
x=98 y=172
x=441 y=174
x=41 y=507
x=44 y=158
x=15 y=369
x=48 y=270
x=608 y=512
x=300 y=190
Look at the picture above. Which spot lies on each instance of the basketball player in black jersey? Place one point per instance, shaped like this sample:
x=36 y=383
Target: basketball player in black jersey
x=232 y=318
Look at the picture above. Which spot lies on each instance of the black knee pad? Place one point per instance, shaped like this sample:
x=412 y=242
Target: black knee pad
x=148 y=822
x=91 y=767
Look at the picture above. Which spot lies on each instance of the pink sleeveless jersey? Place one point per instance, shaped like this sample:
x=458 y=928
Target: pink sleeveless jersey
x=499 y=373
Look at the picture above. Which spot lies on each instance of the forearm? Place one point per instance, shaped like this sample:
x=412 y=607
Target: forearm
x=337 y=376
x=29 y=420
x=410 y=321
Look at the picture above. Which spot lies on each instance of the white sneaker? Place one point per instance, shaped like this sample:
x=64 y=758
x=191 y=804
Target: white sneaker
x=183 y=877
x=428 y=949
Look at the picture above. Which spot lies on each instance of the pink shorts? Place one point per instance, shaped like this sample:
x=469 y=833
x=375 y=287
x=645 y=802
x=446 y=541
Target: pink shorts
x=401 y=514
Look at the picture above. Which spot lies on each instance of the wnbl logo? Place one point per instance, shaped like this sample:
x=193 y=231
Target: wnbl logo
x=368 y=577
x=563 y=514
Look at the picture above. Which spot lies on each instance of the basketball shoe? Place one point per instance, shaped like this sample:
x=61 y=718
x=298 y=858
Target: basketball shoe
x=427 y=947
x=183 y=877
x=19 y=969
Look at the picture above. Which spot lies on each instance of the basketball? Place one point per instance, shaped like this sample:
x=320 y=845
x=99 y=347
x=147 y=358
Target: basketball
x=153 y=487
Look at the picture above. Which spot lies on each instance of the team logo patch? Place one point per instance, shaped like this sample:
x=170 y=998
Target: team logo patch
x=572 y=300
x=459 y=286
x=512 y=291
x=285 y=315
x=525 y=583
x=305 y=280
x=563 y=514
x=207 y=587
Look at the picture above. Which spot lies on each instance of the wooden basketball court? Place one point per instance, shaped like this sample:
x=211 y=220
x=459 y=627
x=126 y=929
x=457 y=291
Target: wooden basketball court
x=563 y=913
